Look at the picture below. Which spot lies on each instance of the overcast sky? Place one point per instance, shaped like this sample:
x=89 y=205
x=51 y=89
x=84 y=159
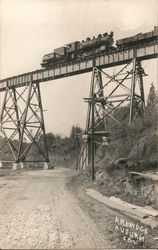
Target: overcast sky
x=29 y=29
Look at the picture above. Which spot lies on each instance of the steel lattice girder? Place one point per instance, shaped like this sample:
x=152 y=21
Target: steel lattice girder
x=24 y=117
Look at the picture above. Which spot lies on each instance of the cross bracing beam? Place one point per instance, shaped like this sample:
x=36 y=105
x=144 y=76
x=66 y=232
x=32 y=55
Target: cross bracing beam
x=104 y=60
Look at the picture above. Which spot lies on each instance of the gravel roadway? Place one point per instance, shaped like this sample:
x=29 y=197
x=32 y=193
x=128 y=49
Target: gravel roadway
x=37 y=211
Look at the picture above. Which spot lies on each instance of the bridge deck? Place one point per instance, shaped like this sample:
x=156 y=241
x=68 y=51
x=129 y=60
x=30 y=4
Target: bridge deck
x=106 y=60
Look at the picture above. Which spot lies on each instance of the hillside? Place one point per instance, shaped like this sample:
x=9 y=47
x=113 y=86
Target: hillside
x=130 y=150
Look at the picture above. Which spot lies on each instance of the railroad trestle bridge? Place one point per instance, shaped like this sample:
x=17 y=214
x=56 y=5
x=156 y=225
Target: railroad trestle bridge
x=22 y=110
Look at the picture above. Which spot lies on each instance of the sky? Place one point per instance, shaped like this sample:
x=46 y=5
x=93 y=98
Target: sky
x=29 y=29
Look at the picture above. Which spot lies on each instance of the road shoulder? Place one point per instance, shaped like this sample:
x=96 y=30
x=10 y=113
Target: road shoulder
x=105 y=217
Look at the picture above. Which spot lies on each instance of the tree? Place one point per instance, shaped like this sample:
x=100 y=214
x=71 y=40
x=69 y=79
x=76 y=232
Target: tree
x=75 y=130
x=152 y=99
x=151 y=109
x=50 y=137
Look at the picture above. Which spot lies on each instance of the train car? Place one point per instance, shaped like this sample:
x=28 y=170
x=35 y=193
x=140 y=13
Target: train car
x=54 y=57
x=78 y=50
x=49 y=59
x=135 y=40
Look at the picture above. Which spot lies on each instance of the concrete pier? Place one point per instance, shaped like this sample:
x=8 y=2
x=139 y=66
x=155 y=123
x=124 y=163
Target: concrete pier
x=15 y=166
x=22 y=165
x=48 y=165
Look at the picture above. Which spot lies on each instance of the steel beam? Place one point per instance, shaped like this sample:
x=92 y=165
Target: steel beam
x=104 y=60
x=133 y=83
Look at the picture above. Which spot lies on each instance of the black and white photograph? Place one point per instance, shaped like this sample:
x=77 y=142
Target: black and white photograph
x=79 y=124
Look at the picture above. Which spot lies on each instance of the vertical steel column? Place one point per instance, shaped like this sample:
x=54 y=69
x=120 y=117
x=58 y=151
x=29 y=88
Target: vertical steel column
x=132 y=91
x=42 y=119
x=141 y=86
x=101 y=94
x=92 y=139
x=90 y=95
x=24 y=118
x=92 y=135
x=3 y=106
x=16 y=111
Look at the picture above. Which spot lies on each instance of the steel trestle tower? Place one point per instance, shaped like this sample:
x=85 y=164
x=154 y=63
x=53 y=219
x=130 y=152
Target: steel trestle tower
x=108 y=93
x=24 y=118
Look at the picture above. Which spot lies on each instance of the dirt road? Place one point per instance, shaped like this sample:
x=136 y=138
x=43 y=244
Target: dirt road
x=37 y=211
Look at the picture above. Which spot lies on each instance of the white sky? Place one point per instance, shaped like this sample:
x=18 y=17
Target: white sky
x=29 y=29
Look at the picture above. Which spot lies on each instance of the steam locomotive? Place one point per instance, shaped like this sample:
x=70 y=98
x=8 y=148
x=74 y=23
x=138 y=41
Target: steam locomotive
x=79 y=50
x=91 y=47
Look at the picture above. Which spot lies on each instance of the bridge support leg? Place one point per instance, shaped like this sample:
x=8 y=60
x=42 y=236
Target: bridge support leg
x=84 y=160
x=133 y=83
x=137 y=104
x=141 y=73
x=109 y=93
x=22 y=124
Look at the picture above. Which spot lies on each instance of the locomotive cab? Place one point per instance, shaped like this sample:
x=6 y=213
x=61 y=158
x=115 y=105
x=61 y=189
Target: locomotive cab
x=71 y=47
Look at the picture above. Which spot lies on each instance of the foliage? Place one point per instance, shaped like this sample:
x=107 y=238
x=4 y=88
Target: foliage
x=151 y=111
x=138 y=140
x=75 y=131
x=152 y=99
